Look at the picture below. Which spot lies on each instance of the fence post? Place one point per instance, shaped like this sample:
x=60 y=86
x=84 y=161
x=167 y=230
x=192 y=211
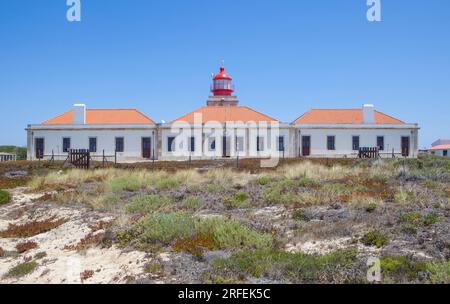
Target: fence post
x=115 y=157
x=237 y=161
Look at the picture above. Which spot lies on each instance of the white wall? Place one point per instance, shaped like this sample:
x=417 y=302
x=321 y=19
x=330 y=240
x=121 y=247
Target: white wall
x=203 y=134
x=80 y=140
x=367 y=138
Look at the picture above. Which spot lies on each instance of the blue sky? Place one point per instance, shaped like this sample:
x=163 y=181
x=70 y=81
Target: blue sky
x=286 y=56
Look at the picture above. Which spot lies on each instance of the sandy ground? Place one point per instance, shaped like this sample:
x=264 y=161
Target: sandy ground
x=110 y=265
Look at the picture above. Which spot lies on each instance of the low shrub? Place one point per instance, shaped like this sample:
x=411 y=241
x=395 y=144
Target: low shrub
x=371 y=207
x=196 y=245
x=145 y=204
x=232 y=234
x=263 y=180
x=375 y=238
x=21 y=270
x=430 y=219
x=192 y=203
x=5 y=197
x=439 y=272
x=293 y=267
x=31 y=228
x=298 y=215
x=25 y=246
x=166 y=183
x=126 y=183
x=400 y=268
x=152 y=268
x=188 y=232
x=239 y=200
x=163 y=228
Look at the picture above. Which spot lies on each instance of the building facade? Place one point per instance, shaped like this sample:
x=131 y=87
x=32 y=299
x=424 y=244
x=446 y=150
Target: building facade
x=221 y=129
x=440 y=147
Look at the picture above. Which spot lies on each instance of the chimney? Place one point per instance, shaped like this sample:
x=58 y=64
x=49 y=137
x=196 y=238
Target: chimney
x=79 y=114
x=368 y=114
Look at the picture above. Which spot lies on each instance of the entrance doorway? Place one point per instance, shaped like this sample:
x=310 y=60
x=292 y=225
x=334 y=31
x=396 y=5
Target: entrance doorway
x=39 y=148
x=146 y=147
x=306 y=145
x=405 y=146
x=226 y=148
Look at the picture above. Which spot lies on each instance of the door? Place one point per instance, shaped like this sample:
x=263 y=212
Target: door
x=405 y=146
x=226 y=149
x=146 y=147
x=306 y=145
x=39 y=146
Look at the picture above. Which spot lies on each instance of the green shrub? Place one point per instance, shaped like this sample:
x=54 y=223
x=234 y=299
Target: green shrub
x=238 y=201
x=21 y=269
x=166 y=183
x=375 y=238
x=397 y=267
x=164 y=228
x=152 y=268
x=125 y=183
x=148 y=203
x=439 y=272
x=192 y=203
x=298 y=215
x=371 y=207
x=430 y=219
x=307 y=182
x=411 y=217
x=232 y=234
x=263 y=180
x=295 y=267
x=5 y=197
x=417 y=219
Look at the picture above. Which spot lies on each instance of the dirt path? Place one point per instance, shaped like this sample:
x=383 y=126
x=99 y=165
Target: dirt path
x=59 y=265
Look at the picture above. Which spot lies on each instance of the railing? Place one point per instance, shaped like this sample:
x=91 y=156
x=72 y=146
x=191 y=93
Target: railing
x=7 y=157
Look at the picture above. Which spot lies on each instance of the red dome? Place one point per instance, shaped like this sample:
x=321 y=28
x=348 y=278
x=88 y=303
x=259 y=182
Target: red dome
x=222 y=75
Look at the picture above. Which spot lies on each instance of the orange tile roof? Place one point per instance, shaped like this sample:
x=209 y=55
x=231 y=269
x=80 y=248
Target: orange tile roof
x=104 y=117
x=342 y=116
x=440 y=147
x=226 y=114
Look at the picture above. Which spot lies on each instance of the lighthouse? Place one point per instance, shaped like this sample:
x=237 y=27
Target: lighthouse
x=222 y=89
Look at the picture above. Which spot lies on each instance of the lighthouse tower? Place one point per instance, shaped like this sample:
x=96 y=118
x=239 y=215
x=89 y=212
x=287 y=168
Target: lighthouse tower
x=222 y=89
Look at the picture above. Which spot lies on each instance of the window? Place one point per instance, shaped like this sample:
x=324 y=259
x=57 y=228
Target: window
x=355 y=143
x=120 y=147
x=66 y=144
x=445 y=152
x=93 y=144
x=170 y=144
x=281 y=143
x=192 y=144
x=240 y=144
x=380 y=143
x=330 y=143
x=260 y=143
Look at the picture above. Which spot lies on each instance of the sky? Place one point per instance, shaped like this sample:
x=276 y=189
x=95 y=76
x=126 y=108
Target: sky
x=285 y=56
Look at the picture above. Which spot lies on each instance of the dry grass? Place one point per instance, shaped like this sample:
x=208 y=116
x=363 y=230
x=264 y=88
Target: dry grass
x=317 y=172
x=87 y=274
x=31 y=228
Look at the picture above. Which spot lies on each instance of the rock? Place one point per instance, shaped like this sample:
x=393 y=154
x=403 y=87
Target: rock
x=13 y=174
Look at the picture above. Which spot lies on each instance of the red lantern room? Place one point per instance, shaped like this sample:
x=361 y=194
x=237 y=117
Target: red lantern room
x=222 y=84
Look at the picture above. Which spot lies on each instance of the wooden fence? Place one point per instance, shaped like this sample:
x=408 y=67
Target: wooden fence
x=369 y=152
x=80 y=158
